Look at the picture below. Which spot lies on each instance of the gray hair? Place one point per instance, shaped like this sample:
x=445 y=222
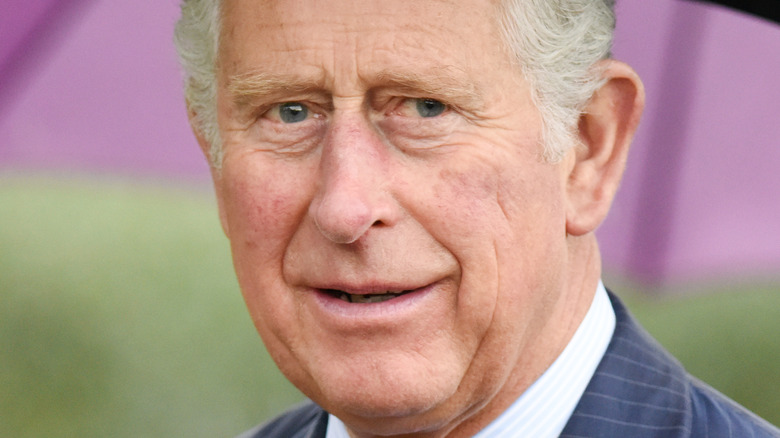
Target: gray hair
x=197 y=40
x=557 y=43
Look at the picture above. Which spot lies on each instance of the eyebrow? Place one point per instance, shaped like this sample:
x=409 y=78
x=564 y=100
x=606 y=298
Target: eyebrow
x=245 y=88
x=443 y=84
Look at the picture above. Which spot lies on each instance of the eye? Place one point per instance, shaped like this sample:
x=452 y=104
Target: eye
x=429 y=107
x=293 y=112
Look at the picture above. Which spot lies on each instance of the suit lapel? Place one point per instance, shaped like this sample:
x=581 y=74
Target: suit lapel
x=318 y=428
x=638 y=389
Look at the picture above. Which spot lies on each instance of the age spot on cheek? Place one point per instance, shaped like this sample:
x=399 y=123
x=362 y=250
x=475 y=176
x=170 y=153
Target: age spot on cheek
x=266 y=212
x=471 y=192
x=470 y=185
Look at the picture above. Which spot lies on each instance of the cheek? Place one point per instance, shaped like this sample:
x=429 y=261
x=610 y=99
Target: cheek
x=465 y=217
x=263 y=206
x=264 y=203
x=470 y=193
x=502 y=220
x=481 y=203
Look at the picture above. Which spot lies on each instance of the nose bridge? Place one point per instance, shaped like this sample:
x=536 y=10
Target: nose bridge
x=352 y=146
x=353 y=194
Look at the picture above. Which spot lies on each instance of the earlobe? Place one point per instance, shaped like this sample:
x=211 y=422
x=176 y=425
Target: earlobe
x=606 y=129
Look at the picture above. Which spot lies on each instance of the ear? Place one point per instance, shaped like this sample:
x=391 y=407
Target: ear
x=216 y=176
x=606 y=129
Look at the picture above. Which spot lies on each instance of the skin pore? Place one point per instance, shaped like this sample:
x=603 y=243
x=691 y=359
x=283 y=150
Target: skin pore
x=409 y=259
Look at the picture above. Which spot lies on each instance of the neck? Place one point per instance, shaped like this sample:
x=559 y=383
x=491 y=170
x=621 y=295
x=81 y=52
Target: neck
x=567 y=313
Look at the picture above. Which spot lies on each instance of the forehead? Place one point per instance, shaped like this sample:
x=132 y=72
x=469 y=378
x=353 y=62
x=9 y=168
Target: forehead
x=359 y=39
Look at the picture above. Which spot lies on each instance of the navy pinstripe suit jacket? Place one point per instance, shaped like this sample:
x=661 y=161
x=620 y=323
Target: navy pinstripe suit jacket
x=638 y=391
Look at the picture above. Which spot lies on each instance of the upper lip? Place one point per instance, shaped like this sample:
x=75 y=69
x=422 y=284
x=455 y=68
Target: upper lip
x=370 y=288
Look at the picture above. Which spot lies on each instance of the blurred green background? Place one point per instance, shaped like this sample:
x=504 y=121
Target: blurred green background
x=120 y=316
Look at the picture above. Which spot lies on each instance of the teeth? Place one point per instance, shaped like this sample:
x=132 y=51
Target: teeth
x=370 y=298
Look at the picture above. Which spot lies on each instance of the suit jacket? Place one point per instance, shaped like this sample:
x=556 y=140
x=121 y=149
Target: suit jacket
x=638 y=391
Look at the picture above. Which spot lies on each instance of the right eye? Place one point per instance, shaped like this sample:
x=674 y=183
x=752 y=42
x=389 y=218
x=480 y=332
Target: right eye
x=292 y=112
x=292 y=127
x=428 y=108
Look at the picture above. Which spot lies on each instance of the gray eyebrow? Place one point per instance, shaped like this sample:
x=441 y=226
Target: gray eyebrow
x=443 y=84
x=435 y=85
x=246 y=87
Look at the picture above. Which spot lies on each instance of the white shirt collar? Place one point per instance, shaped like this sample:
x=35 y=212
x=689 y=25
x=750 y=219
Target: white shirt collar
x=546 y=406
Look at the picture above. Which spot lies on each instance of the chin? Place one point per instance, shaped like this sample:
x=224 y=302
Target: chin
x=403 y=403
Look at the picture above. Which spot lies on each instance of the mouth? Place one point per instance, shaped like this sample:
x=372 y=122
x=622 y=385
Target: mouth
x=371 y=305
x=366 y=298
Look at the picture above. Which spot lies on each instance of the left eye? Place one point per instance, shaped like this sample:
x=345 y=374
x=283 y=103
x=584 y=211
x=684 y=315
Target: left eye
x=293 y=112
x=429 y=107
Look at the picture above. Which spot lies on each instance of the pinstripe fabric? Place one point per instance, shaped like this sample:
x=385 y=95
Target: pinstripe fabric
x=637 y=391
x=640 y=391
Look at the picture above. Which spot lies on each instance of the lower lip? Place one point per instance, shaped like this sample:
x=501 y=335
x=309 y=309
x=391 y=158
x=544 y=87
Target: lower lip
x=390 y=310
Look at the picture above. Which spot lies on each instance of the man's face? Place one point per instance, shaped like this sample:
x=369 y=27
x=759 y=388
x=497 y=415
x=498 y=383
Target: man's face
x=398 y=240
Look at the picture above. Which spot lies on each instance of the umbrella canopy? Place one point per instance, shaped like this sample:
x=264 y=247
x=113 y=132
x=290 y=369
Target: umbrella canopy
x=94 y=85
x=699 y=197
x=768 y=9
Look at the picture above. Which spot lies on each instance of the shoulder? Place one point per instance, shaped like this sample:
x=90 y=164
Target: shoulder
x=707 y=412
x=715 y=415
x=640 y=390
x=305 y=420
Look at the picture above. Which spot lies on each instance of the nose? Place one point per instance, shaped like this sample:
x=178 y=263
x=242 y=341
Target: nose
x=354 y=193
